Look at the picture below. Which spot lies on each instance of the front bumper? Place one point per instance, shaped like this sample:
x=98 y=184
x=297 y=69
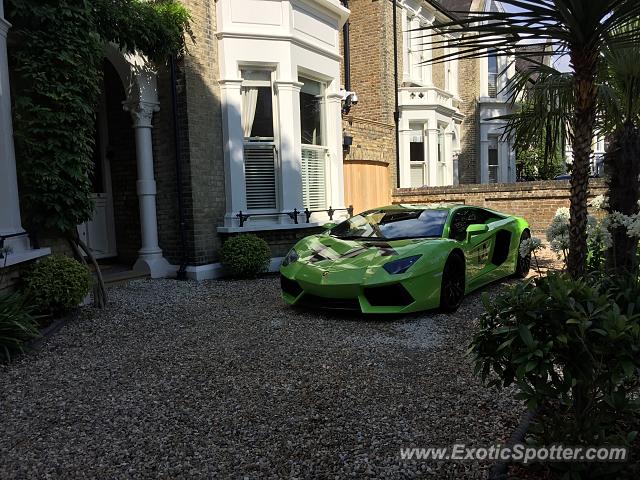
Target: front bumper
x=406 y=294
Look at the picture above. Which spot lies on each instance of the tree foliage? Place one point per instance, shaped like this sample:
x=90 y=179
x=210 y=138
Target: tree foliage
x=577 y=28
x=56 y=52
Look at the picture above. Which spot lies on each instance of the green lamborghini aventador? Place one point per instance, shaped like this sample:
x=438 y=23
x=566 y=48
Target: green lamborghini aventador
x=404 y=258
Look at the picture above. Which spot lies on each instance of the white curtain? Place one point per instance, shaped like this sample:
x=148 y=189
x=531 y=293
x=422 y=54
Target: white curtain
x=249 y=102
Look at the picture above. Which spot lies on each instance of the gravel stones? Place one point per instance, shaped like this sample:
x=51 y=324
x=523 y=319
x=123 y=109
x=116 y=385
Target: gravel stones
x=222 y=380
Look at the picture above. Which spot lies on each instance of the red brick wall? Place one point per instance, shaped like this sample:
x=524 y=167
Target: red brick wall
x=537 y=202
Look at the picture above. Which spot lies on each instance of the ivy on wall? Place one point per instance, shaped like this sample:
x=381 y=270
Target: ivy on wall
x=55 y=51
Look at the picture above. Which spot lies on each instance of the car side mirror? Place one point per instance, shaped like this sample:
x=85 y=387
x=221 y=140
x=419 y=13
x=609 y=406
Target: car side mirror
x=476 y=229
x=328 y=226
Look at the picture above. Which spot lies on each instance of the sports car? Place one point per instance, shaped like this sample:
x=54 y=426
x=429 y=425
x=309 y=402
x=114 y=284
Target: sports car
x=404 y=258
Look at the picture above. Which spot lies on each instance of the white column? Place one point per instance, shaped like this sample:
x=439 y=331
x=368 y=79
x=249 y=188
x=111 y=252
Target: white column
x=504 y=160
x=335 y=197
x=233 y=138
x=150 y=259
x=512 y=162
x=484 y=161
x=405 y=156
x=406 y=45
x=290 y=151
x=432 y=155
x=448 y=155
x=427 y=72
x=10 y=222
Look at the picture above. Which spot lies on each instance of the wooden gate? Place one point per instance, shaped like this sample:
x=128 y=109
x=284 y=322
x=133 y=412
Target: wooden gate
x=366 y=184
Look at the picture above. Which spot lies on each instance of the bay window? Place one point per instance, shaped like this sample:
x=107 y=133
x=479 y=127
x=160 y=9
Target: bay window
x=314 y=151
x=259 y=142
x=417 y=156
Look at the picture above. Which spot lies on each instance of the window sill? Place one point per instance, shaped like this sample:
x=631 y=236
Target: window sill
x=266 y=227
x=27 y=255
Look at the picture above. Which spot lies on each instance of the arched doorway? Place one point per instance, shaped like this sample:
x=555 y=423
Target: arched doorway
x=114 y=231
x=124 y=224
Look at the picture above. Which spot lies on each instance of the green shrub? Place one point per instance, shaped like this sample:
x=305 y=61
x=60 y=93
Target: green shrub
x=245 y=256
x=57 y=284
x=16 y=325
x=570 y=344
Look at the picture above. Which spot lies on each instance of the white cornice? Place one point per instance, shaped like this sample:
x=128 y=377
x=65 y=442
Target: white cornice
x=333 y=6
x=4 y=26
x=279 y=38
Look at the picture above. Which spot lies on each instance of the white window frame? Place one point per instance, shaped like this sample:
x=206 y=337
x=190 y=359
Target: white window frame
x=246 y=141
x=323 y=148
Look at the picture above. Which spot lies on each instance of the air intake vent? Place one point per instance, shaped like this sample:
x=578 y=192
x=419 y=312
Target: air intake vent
x=289 y=286
x=388 y=296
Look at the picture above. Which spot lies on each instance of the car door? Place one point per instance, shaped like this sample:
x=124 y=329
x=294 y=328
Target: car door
x=477 y=248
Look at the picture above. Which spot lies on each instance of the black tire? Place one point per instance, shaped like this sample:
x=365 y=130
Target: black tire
x=524 y=263
x=453 y=284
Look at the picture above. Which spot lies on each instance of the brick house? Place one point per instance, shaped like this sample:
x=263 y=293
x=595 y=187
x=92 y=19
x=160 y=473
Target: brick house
x=446 y=134
x=243 y=135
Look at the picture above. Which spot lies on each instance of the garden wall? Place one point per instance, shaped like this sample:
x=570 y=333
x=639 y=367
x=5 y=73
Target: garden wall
x=537 y=202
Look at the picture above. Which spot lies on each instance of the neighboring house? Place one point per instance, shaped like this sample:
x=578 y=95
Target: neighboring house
x=598 y=150
x=254 y=132
x=447 y=134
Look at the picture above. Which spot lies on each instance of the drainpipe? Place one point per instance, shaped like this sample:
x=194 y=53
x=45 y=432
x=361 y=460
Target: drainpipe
x=347 y=51
x=182 y=271
x=396 y=113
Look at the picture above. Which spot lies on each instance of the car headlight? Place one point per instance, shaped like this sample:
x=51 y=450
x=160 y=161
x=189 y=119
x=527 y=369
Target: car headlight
x=291 y=257
x=400 y=266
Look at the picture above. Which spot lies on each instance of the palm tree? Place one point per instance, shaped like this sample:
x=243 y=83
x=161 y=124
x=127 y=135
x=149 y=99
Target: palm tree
x=619 y=107
x=577 y=28
x=546 y=107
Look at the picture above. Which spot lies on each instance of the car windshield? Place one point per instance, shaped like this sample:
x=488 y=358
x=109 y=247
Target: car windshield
x=393 y=224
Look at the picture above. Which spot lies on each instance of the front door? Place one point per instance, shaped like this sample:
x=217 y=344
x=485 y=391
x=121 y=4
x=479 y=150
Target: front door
x=99 y=233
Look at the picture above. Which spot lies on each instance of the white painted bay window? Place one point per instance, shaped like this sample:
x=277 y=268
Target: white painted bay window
x=282 y=130
x=313 y=145
x=417 y=156
x=260 y=159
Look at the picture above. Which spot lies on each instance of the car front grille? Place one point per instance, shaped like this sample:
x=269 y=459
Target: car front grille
x=388 y=296
x=314 y=301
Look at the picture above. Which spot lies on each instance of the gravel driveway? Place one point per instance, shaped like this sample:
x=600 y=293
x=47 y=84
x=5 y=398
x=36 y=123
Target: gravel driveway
x=221 y=380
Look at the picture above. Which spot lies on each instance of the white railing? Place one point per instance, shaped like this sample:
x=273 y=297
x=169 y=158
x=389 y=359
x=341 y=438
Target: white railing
x=314 y=177
x=260 y=175
x=427 y=96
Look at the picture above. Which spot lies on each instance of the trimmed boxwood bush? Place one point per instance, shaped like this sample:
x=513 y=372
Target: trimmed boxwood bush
x=245 y=256
x=57 y=284
x=16 y=325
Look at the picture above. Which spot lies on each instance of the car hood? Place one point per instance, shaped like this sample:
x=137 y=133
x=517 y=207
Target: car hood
x=334 y=254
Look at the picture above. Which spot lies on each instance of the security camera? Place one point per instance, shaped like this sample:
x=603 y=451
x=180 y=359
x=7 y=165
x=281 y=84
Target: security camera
x=349 y=99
